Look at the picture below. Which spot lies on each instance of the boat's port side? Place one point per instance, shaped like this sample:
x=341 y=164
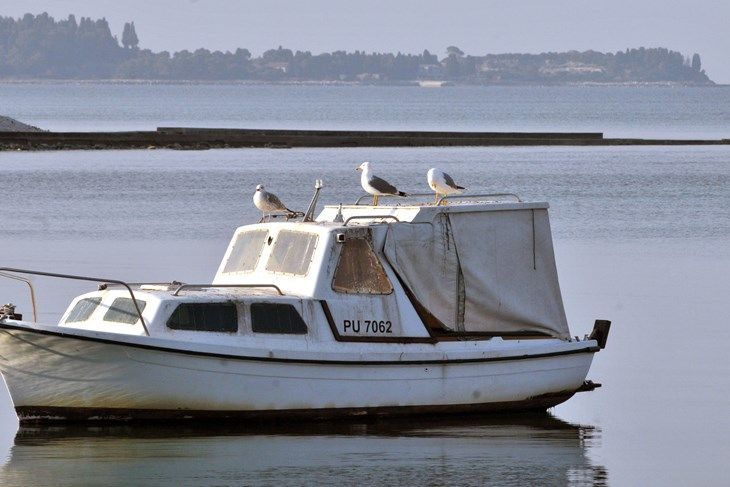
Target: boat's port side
x=148 y=377
x=367 y=310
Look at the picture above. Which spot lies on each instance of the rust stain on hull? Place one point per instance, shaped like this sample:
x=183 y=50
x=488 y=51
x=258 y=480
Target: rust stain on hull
x=50 y=414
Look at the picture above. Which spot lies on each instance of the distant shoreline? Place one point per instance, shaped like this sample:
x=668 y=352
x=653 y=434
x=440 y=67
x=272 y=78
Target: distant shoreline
x=413 y=83
x=31 y=47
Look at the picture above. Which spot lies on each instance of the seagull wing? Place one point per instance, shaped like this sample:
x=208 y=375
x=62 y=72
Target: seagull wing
x=450 y=181
x=382 y=185
x=275 y=202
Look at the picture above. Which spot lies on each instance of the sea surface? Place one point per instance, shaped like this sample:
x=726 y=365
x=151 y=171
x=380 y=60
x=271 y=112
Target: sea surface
x=618 y=111
x=642 y=237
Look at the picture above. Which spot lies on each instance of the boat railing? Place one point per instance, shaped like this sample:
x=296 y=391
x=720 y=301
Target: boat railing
x=370 y=217
x=443 y=198
x=183 y=287
x=5 y=270
x=388 y=196
x=150 y=283
x=477 y=196
x=30 y=288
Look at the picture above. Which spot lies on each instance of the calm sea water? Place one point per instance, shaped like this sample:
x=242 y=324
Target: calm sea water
x=645 y=111
x=642 y=238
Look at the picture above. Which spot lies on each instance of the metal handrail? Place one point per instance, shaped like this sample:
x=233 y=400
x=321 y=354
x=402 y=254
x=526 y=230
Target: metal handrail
x=139 y=284
x=488 y=195
x=204 y=286
x=30 y=287
x=370 y=217
x=391 y=196
x=83 y=278
x=442 y=198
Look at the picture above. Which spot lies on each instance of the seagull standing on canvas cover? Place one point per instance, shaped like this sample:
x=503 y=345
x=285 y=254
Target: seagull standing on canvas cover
x=374 y=185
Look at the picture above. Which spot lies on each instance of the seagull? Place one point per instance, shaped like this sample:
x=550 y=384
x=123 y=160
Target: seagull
x=269 y=202
x=442 y=183
x=375 y=185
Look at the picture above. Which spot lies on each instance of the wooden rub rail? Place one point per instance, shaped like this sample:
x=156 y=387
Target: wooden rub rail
x=204 y=138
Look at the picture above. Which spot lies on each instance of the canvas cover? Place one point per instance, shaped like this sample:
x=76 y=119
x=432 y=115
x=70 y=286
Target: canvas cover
x=482 y=271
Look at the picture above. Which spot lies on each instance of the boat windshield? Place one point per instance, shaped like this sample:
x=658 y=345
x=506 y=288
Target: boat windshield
x=83 y=310
x=246 y=251
x=292 y=252
x=122 y=310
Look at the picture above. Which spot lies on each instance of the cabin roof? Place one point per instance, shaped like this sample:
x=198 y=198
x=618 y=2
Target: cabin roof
x=417 y=213
x=359 y=214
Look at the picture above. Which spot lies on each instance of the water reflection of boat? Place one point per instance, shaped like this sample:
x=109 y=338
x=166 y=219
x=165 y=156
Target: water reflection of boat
x=367 y=310
x=535 y=449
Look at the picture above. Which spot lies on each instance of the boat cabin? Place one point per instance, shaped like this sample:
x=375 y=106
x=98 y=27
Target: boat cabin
x=401 y=273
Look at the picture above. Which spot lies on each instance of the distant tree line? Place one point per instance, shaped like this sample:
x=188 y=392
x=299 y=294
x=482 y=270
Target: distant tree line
x=38 y=46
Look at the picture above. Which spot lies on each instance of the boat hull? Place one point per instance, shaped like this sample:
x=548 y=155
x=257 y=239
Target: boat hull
x=59 y=377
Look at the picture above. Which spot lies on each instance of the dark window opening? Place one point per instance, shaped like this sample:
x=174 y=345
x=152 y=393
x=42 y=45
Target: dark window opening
x=276 y=318
x=222 y=317
x=83 y=309
x=122 y=310
x=359 y=270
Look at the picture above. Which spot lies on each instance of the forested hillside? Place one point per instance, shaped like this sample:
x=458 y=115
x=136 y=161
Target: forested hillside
x=38 y=46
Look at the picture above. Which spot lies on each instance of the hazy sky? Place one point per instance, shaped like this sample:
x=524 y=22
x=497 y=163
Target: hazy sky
x=476 y=26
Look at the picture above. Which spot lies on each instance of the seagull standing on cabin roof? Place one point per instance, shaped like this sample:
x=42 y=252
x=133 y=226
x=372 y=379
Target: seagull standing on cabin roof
x=442 y=183
x=269 y=202
x=375 y=185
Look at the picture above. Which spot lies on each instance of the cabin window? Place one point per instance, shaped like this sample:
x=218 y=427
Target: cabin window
x=222 y=317
x=276 y=318
x=359 y=270
x=122 y=310
x=246 y=251
x=292 y=252
x=83 y=310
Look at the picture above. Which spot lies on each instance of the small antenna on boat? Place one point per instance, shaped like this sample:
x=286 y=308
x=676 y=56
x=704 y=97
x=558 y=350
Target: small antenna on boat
x=309 y=215
x=338 y=216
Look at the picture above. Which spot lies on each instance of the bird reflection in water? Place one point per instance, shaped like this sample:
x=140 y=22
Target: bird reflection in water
x=522 y=449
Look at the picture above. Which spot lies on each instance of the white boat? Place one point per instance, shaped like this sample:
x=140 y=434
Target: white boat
x=365 y=310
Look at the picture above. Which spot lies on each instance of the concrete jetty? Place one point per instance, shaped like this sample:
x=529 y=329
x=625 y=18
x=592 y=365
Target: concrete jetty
x=191 y=138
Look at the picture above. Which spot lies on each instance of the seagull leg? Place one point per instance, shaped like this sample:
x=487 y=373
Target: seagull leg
x=436 y=200
x=375 y=200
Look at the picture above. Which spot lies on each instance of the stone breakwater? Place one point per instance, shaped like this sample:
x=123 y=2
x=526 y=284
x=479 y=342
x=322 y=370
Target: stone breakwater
x=185 y=138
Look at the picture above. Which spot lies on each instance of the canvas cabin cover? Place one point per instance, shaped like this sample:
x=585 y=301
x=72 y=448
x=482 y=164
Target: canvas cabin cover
x=482 y=271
